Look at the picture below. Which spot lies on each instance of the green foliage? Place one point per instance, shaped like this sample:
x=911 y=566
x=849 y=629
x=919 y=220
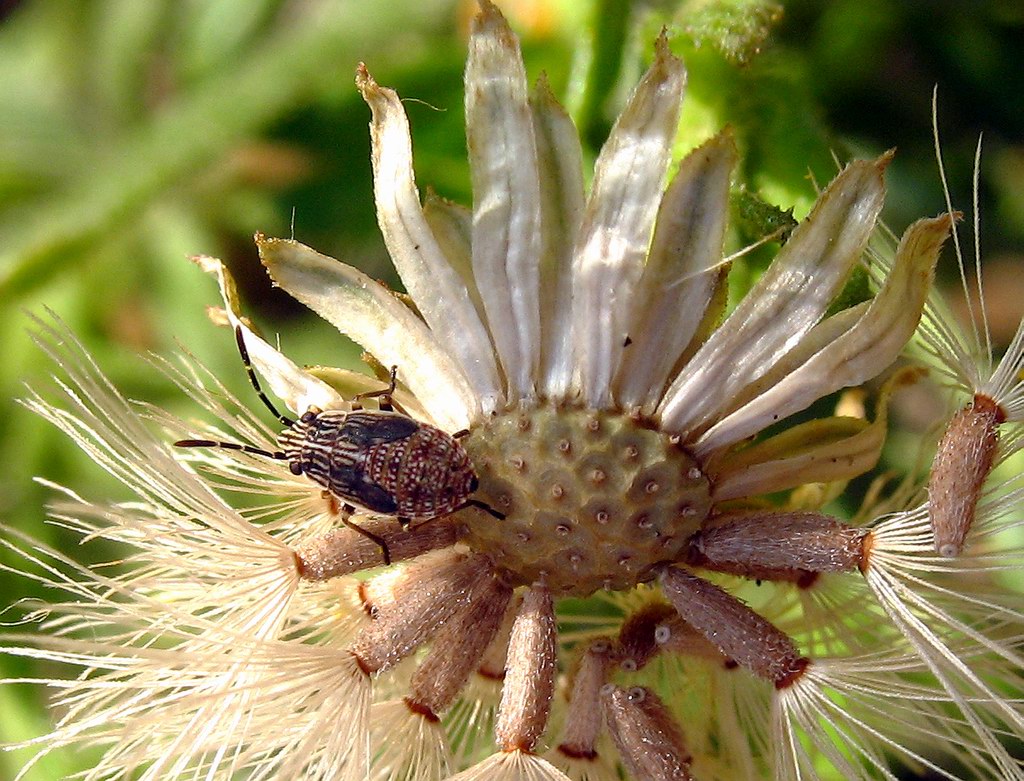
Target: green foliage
x=736 y=28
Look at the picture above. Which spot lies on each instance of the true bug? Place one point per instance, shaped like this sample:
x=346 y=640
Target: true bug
x=381 y=460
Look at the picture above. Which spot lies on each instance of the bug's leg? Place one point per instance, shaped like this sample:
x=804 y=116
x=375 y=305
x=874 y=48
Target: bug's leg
x=482 y=506
x=384 y=402
x=461 y=433
x=370 y=536
x=397 y=407
x=387 y=402
x=332 y=502
x=344 y=512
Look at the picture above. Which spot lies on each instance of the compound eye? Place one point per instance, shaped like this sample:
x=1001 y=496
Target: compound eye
x=474 y=483
x=295 y=467
x=309 y=415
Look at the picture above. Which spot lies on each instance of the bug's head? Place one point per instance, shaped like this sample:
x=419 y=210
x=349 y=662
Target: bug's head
x=294 y=439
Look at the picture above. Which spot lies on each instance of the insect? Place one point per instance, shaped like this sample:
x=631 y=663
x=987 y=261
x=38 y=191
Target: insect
x=381 y=461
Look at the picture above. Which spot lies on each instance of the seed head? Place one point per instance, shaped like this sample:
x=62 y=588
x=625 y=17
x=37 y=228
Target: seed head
x=642 y=580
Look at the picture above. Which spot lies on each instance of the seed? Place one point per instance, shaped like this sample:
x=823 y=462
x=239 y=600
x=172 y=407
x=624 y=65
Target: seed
x=962 y=463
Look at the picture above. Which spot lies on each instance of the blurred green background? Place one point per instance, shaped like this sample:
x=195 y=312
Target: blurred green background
x=136 y=132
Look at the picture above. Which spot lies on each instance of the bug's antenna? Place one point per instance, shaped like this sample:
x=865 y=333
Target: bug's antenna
x=279 y=455
x=255 y=382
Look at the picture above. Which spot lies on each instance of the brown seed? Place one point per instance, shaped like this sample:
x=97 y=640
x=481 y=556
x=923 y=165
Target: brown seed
x=648 y=738
x=419 y=608
x=736 y=630
x=459 y=648
x=962 y=462
x=761 y=542
x=344 y=551
x=492 y=666
x=583 y=720
x=529 y=673
x=637 y=643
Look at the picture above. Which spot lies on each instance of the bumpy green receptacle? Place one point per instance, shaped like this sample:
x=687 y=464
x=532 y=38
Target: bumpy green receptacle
x=593 y=499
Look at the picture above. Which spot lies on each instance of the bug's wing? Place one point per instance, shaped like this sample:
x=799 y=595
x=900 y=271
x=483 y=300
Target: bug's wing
x=366 y=429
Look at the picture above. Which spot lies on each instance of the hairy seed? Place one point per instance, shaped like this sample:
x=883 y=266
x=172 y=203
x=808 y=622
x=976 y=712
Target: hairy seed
x=962 y=463
x=775 y=540
x=583 y=720
x=529 y=673
x=344 y=551
x=636 y=642
x=458 y=648
x=649 y=741
x=413 y=617
x=737 y=631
